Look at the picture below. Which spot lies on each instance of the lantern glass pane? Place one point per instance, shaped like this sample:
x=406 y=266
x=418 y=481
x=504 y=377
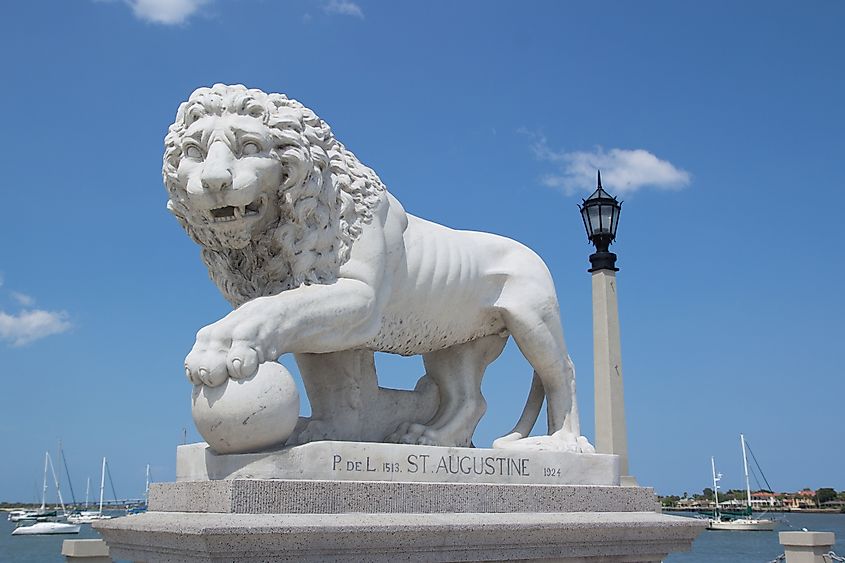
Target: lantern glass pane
x=606 y=217
x=584 y=219
x=616 y=211
x=594 y=218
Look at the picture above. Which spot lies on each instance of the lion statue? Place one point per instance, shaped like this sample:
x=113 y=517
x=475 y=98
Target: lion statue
x=318 y=259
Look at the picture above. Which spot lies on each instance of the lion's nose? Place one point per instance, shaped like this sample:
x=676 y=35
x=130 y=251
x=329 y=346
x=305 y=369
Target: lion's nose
x=217 y=172
x=217 y=180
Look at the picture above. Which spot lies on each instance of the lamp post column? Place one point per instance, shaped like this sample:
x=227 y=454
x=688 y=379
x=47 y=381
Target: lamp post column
x=600 y=213
x=611 y=432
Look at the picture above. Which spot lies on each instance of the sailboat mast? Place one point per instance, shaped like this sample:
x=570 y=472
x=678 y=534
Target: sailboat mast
x=147 y=486
x=102 y=484
x=715 y=482
x=87 y=489
x=745 y=467
x=44 y=489
x=58 y=487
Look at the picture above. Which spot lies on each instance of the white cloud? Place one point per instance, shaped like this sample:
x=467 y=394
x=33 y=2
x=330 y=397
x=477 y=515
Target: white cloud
x=623 y=171
x=31 y=325
x=343 y=8
x=167 y=12
x=23 y=298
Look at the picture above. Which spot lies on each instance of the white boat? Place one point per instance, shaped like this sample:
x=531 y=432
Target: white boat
x=17 y=515
x=744 y=522
x=88 y=516
x=31 y=515
x=41 y=528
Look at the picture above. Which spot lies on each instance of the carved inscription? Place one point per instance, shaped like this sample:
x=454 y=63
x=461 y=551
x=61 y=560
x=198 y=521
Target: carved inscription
x=452 y=464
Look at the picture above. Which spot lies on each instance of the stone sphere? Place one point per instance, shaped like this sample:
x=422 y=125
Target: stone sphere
x=247 y=415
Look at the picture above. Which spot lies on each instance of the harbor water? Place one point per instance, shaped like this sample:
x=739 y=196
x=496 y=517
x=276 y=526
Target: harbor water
x=710 y=547
x=35 y=549
x=714 y=546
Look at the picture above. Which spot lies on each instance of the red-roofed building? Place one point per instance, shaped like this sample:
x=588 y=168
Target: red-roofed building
x=805 y=498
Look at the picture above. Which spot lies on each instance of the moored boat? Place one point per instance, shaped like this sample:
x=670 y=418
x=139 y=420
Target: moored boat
x=34 y=515
x=88 y=516
x=744 y=522
x=44 y=528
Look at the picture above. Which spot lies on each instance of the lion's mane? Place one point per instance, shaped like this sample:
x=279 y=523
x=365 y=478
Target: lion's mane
x=325 y=198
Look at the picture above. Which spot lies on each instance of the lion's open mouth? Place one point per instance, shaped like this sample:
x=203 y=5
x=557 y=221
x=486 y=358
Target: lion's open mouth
x=234 y=213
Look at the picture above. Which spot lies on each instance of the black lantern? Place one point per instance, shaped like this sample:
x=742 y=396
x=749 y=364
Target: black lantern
x=600 y=213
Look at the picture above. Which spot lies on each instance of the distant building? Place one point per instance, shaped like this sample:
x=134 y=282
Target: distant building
x=803 y=499
x=764 y=499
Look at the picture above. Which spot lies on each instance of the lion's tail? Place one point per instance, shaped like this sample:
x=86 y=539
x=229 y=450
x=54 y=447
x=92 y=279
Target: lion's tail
x=532 y=408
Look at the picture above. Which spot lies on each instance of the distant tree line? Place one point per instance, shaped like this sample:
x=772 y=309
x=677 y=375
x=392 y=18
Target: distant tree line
x=819 y=497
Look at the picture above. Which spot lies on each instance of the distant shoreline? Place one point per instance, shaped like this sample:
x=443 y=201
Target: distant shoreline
x=784 y=510
x=10 y=506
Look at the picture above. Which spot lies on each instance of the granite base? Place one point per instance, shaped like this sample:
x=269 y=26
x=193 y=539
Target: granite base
x=163 y=537
x=312 y=520
x=369 y=502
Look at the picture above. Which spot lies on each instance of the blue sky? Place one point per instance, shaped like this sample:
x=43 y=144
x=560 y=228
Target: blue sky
x=719 y=124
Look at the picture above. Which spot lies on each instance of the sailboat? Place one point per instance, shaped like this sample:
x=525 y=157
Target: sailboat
x=42 y=526
x=142 y=507
x=88 y=516
x=745 y=521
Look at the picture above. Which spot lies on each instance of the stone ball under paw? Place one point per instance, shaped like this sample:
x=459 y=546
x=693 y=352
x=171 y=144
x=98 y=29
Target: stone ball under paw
x=247 y=415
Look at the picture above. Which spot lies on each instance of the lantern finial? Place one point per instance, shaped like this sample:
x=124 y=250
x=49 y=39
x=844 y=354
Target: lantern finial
x=599 y=172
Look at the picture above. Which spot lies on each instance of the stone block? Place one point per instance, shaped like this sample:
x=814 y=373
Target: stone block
x=248 y=496
x=806 y=547
x=370 y=461
x=86 y=551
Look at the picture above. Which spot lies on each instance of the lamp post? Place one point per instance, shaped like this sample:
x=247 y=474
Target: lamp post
x=600 y=213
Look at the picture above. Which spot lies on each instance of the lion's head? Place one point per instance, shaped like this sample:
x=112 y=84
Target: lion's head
x=260 y=182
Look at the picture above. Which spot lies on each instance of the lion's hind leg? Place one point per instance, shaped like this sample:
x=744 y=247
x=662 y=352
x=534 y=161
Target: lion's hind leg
x=458 y=371
x=532 y=318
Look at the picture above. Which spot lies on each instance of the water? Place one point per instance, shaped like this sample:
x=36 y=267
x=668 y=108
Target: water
x=35 y=549
x=714 y=546
x=710 y=547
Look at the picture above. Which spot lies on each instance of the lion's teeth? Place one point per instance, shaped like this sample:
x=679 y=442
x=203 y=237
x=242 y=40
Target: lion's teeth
x=252 y=208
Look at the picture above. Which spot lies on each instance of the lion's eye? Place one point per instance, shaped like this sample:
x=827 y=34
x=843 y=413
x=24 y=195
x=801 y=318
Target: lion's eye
x=251 y=148
x=193 y=151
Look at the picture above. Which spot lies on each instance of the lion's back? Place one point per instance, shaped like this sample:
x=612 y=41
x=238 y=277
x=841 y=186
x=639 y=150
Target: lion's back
x=446 y=290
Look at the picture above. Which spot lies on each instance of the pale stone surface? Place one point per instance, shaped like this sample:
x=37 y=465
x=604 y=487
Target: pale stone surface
x=280 y=496
x=86 y=551
x=252 y=413
x=611 y=432
x=158 y=537
x=362 y=461
x=806 y=547
x=322 y=262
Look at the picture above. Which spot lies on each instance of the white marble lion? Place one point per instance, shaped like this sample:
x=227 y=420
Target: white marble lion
x=321 y=261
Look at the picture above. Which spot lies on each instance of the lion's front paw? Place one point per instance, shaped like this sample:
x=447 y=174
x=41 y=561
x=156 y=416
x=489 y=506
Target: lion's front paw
x=560 y=441
x=314 y=431
x=218 y=354
x=420 y=434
